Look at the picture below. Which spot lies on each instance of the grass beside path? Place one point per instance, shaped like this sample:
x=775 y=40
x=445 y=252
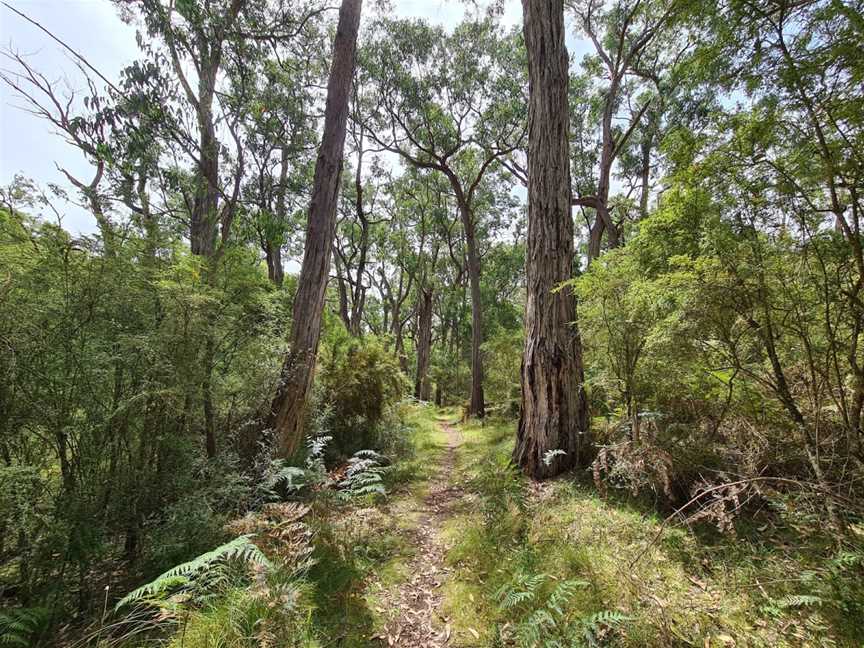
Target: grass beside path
x=551 y=564
x=465 y=552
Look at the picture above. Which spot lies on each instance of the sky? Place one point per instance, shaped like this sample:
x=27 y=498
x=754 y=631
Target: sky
x=29 y=146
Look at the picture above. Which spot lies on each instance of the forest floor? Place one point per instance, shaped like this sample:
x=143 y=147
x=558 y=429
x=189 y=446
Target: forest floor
x=415 y=617
x=469 y=554
x=464 y=552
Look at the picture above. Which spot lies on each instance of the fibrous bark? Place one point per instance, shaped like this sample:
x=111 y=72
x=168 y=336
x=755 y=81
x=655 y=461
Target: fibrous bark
x=554 y=414
x=289 y=404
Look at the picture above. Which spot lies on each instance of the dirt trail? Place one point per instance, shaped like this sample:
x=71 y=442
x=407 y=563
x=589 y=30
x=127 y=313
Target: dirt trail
x=418 y=620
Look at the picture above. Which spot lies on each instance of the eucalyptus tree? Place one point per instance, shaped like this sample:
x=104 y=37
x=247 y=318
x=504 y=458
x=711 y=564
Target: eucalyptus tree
x=451 y=103
x=278 y=135
x=429 y=197
x=195 y=37
x=424 y=208
x=364 y=209
x=204 y=51
x=637 y=47
x=289 y=404
x=553 y=429
x=395 y=270
x=88 y=132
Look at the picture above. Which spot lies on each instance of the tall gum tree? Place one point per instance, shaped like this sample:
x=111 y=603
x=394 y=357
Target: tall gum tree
x=289 y=405
x=459 y=119
x=630 y=68
x=553 y=432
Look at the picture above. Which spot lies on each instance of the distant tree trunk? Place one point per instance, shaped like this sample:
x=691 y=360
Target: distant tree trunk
x=422 y=389
x=207 y=395
x=273 y=248
x=399 y=342
x=342 y=289
x=289 y=405
x=477 y=406
x=554 y=413
x=358 y=295
x=273 y=255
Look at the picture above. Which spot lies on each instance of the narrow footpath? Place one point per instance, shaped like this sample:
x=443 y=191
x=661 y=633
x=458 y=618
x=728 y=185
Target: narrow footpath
x=418 y=620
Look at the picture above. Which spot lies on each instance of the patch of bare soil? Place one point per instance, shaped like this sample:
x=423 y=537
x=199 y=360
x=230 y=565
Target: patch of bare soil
x=415 y=606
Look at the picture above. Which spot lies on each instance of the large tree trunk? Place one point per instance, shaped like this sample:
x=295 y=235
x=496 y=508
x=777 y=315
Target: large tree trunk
x=203 y=225
x=477 y=406
x=289 y=405
x=554 y=413
x=202 y=228
x=422 y=389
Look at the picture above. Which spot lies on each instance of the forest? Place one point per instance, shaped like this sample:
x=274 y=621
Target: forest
x=539 y=328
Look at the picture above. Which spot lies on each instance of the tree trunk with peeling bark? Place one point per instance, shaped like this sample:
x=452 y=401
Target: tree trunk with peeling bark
x=289 y=405
x=553 y=430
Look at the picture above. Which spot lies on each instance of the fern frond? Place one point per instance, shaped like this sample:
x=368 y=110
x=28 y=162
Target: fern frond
x=798 y=601
x=597 y=623
x=563 y=594
x=18 y=627
x=241 y=549
x=364 y=475
x=292 y=476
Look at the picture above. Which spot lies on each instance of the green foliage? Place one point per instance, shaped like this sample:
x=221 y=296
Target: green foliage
x=359 y=383
x=240 y=549
x=102 y=389
x=245 y=618
x=503 y=495
x=722 y=340
x=543 y=613
x=503 y=354
x=21 y=627
x=364 y=475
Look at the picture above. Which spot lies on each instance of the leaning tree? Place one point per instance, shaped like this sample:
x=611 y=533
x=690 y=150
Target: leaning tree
x=289 y=405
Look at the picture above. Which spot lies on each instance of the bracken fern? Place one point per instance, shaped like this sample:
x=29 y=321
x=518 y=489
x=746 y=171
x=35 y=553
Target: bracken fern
x=18 y=627
x=241 y=549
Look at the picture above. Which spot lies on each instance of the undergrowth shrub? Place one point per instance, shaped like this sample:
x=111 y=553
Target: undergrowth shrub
x=251 y=591
x=22 y=626
x=362 y=475
x=502 y=496
x=358 y=384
